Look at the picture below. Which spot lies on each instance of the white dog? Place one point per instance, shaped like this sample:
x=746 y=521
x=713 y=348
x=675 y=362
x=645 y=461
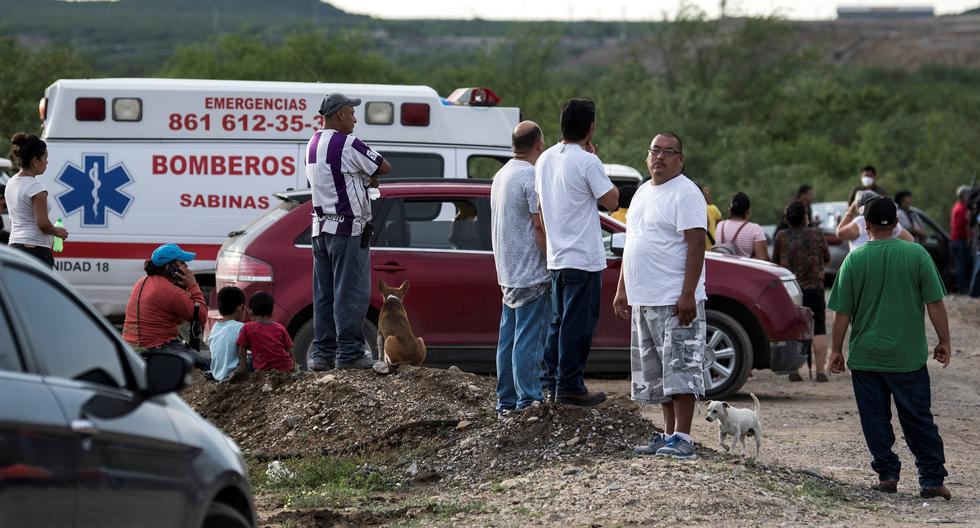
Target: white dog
x=736 y=422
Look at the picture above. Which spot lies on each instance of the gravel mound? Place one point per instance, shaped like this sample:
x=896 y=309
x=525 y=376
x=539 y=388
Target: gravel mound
x=431 y=423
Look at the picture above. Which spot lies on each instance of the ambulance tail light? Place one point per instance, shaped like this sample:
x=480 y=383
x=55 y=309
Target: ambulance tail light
x=238 y=269
x=127 y=109
x=90 y=109
x=42 y=108
x=474 y=97
x=415 y=114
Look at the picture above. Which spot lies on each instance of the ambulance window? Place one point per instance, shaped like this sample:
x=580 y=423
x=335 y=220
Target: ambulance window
x=413 y=165
x=483 y=166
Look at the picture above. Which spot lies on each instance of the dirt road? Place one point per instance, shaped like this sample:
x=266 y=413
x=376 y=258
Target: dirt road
x=810 y=428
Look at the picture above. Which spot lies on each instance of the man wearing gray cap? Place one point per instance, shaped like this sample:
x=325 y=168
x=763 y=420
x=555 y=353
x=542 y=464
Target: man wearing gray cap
x=341 y=169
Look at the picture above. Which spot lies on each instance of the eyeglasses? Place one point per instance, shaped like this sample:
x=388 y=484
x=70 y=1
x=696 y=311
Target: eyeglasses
x=667 y=152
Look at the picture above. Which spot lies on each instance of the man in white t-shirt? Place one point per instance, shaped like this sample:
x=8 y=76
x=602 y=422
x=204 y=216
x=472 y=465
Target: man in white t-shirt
x=340 y=169
x=662 y=280
x=571 y=183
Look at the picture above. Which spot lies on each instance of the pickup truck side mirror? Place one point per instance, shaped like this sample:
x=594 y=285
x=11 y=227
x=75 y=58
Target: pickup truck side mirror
x=618 y=244
x=166 y=372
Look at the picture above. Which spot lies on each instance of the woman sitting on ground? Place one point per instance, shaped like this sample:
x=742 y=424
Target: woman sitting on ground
x=747 y=237
x=163 y=300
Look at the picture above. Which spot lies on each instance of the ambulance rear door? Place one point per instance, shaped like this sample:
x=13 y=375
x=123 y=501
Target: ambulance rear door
x=121 y=199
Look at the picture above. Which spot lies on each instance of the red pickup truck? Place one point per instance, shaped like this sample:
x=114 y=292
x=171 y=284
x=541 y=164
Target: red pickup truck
x=754 y=315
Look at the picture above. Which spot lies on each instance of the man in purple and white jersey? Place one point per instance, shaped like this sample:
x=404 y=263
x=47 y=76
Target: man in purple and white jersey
x=341 y=169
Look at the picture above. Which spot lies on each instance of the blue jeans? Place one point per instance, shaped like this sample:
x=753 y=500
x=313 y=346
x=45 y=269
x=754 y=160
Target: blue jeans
x=341 y=291
x=873 y=392
x=975 y=280
x=520 y=349
x=575 y=296
x=964 y=265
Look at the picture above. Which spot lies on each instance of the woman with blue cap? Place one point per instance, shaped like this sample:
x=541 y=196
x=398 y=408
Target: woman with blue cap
x=162 y=300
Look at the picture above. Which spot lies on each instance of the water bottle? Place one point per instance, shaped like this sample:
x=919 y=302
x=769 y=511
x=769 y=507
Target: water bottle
x=59 y=244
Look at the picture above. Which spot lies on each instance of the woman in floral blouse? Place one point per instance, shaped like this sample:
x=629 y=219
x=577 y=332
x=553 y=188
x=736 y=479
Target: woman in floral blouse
x=803 y=250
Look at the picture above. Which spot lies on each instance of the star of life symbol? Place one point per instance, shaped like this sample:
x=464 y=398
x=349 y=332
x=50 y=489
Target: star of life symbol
x=95 y=189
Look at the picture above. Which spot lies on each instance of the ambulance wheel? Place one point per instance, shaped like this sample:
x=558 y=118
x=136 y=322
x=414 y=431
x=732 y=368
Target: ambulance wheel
x=303 y=342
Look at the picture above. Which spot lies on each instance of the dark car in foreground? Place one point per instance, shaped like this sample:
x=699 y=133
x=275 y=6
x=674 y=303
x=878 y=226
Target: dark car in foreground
x=90 y=434
x=754 y=316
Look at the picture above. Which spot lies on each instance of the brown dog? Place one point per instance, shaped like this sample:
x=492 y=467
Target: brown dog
x=395 y=337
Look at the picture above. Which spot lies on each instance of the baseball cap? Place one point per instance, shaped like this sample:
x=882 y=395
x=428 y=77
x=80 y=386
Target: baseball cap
x=881 y=211
x=169 y=253
x=334 y=102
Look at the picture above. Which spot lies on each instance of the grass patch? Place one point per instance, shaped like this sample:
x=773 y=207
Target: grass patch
x=434 y=510
x=317 y=482
x=818 y=493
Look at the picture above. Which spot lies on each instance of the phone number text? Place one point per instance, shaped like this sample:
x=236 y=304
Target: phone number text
x=243 y=123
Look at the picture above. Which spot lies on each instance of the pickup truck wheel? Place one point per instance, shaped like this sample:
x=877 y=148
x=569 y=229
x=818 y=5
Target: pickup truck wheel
x=303 y=342
x=728 y=355
x=221 y=515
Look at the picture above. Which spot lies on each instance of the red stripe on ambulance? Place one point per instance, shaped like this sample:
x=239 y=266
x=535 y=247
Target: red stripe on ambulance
x=130 y=250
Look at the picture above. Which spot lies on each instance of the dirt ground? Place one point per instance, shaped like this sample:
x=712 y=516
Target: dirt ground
x=446 y=460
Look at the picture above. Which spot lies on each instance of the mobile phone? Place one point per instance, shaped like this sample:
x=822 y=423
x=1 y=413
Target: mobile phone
x=172 y=270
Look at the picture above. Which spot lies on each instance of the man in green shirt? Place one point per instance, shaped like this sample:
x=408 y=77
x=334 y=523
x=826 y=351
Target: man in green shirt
x=880 y=291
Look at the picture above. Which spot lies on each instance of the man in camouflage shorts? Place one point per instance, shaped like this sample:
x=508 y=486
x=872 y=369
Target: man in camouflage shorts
x=666 y=358
x=662 y=280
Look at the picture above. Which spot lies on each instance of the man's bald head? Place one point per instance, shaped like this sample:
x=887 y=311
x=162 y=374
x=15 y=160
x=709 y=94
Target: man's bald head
x=526 y=136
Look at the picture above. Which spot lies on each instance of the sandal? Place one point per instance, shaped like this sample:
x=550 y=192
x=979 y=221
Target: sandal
x=795 y=377
x=822 y=378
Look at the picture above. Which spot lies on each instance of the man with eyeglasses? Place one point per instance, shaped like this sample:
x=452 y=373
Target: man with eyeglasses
x=662 y=280
x=571 y=184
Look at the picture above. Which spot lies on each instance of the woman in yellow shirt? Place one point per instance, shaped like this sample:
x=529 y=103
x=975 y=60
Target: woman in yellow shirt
x=714 y=216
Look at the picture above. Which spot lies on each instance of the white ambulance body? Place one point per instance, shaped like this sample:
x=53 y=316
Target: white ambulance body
x=133 y=163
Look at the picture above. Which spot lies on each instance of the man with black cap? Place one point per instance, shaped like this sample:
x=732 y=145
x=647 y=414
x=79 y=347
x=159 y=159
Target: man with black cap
x=881 y=291
x=343 y=173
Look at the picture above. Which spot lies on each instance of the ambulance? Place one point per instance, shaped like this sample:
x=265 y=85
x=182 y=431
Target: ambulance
x=133 y=163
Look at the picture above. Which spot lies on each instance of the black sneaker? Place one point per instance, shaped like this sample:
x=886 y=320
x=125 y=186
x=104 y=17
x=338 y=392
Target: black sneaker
x=360 y=363
x=318 y=365
x=582 y=399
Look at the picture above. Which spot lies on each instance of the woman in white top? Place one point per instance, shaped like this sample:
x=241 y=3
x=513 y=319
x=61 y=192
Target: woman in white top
x=853 y=228
x=748 y=237
x=27 y=200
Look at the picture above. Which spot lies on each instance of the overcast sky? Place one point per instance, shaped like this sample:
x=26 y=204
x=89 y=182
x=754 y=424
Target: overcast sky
x=616 y=9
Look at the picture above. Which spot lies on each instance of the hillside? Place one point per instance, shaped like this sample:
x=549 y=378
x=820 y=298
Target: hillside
x=137 y=36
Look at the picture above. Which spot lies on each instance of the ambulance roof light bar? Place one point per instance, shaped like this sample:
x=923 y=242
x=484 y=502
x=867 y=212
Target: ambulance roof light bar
x=473 y=97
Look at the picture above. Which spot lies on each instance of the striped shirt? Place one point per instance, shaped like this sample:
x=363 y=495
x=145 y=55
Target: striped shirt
x=339 y=168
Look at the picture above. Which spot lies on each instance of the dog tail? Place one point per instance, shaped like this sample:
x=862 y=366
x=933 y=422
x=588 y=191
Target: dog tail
x=756 y=400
